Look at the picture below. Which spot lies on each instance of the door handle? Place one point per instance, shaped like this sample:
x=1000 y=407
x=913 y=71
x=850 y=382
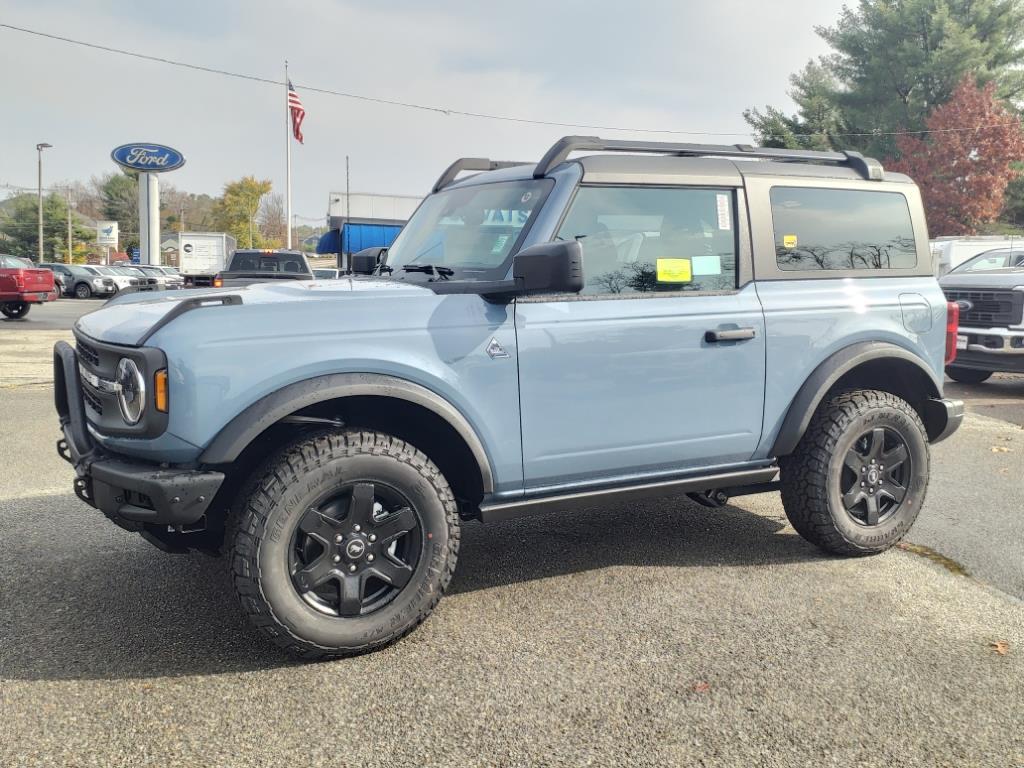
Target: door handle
x=733 y=334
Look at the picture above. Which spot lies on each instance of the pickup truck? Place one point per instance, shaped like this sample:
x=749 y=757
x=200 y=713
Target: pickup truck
x=22 y=284
x=260 y=266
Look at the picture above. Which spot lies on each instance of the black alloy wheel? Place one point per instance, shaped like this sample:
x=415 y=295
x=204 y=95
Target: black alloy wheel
x=874 y=478
x=15 y=310
x=83 y=291
x=354 y=550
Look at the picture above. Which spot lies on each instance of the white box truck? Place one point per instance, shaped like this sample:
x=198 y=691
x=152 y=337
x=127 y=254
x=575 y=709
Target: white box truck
x=201 y=255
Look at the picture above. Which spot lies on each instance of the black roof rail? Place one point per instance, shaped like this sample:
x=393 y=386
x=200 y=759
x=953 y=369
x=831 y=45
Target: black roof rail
x=867 y=167
x=471 y=164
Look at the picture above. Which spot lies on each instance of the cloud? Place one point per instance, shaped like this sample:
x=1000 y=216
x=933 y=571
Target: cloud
x=670 y=65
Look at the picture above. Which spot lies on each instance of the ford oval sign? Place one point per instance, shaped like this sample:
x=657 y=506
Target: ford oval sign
x=148 y=158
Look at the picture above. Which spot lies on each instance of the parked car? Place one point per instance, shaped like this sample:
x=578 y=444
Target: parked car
x=121 y=280
x=81 y=282
x=258 y=266
x=174 y=278
x=23 y=284
x=989 y=290
x=164 y=280
x=321 y=273
x=669 y=318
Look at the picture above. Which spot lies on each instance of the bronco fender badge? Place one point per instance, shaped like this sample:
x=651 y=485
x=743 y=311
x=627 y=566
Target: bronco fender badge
x=495 y=350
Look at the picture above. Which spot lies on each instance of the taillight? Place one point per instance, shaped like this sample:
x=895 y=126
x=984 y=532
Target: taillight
x=19 y=280
x=952 y=329
x=218 y=281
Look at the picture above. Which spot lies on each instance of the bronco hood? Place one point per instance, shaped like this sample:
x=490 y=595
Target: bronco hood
x=131 y=318
x=1010 y=277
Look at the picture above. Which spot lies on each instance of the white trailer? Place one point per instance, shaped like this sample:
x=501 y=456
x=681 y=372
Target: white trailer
x=950 y=252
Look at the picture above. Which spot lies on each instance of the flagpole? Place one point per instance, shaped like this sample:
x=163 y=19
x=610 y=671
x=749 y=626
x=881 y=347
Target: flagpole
x=288 y=154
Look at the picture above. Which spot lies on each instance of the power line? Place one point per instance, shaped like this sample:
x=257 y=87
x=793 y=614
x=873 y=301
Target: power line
x=465 y=113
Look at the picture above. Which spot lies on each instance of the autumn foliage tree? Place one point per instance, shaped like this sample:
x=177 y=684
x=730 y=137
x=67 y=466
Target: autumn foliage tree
x=965 y=161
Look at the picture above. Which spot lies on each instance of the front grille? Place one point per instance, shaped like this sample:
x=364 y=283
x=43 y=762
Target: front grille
x=90 y=399
x=989 y=308
x=87 y=353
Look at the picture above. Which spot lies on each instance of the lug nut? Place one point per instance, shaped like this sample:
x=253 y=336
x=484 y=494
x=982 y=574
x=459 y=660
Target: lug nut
x=337 y=558
x=339 y=538
x=352 y=568
x=355 y=528
x=369 y=558
x=373 y=537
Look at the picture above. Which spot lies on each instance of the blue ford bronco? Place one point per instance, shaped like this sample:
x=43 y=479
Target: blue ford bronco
x=645 y=320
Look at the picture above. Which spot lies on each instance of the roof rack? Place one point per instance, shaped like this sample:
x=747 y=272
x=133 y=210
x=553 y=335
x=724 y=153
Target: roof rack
x=867 y=167
x=472 y=164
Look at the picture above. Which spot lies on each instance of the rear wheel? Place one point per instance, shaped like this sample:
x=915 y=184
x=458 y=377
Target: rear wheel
x=967 y=375
x=857 y=479
x=15 y=309
x=83 y=291
x=345 y=544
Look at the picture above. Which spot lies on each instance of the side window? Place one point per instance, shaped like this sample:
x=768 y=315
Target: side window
x=825 y=229
x=650 y=239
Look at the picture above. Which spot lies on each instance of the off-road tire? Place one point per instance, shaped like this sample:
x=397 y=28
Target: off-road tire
x=259 y=534
x=15 y=310
x=811 y=475
x=83 y=291
x=967 y=375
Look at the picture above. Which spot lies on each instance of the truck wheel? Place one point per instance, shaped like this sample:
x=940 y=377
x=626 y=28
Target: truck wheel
x=15 y=309
x=83 y=291
x=345 y=543
x=967 y=375
x=857 y=479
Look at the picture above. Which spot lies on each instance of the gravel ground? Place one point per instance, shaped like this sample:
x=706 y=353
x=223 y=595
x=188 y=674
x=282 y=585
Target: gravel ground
x=655 y=634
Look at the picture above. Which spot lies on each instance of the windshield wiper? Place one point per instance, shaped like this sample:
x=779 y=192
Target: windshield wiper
x=443 y=272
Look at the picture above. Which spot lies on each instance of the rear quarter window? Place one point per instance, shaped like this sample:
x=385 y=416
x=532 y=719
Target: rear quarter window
x=841 y=229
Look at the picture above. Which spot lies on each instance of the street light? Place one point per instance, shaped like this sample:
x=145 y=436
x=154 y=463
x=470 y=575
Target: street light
x=39 y=149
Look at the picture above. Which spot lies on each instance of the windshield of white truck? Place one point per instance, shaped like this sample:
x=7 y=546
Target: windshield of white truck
x=471 y=231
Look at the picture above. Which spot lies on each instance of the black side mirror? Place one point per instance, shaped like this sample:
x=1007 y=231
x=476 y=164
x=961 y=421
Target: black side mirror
x=364 y=262
x=549 y=268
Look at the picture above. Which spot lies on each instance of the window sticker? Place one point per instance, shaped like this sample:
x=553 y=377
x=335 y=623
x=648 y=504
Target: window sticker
x=707 y=265
x=499 y=243
x=724 y=217
x=674 y=271
x=789 y=241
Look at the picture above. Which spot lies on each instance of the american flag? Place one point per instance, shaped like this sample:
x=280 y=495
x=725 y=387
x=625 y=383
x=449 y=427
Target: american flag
x=297 y=110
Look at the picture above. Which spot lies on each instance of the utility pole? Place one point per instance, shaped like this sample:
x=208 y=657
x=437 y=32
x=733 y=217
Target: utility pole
x=348 y=213
x=39 y=148
x=181 y=217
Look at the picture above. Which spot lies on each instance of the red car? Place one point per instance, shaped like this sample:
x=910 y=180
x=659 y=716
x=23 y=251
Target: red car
x=23 y=284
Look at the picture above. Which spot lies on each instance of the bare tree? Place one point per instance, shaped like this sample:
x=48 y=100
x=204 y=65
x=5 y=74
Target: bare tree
x=272 y=219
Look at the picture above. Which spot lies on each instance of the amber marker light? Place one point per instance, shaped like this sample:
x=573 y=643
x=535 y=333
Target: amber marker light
x=160 y=390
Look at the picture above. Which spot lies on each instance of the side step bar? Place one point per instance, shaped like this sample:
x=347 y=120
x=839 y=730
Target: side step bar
x=510 y=510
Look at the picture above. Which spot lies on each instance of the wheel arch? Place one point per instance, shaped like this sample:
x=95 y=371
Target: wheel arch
x=867 y=365
x=377 y=394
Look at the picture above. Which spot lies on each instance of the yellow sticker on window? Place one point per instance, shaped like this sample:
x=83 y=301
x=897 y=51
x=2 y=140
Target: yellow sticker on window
x=789 y=241
x=674 y=271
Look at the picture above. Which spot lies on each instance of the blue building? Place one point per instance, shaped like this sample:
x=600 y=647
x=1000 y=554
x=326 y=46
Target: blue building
x=361 y=220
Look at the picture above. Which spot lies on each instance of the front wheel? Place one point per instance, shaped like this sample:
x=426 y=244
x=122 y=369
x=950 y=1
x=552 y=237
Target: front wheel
x=967 y=375
x=857 y=479
x=345 y=544
x=83 y=291
x=15 y=310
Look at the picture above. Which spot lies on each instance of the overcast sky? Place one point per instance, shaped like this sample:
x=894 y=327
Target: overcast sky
x=687 y=65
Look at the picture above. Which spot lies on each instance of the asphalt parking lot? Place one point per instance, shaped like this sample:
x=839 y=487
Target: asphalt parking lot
x=649 y=634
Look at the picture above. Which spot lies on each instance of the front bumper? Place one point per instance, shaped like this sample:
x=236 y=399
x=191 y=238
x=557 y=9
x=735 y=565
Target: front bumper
x=992 y=349
x=122 y=488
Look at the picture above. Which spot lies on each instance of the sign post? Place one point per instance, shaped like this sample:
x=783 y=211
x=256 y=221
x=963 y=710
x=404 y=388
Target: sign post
x=148 y=160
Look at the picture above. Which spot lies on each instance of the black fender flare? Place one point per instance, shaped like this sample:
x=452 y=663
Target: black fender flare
x=824 y=377
x=270 y=409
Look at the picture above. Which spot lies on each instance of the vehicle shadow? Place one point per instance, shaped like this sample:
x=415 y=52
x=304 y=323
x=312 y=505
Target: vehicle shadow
x=120 y=609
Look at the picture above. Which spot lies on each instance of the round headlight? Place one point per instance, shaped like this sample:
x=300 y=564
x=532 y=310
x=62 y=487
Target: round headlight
x=131 y=394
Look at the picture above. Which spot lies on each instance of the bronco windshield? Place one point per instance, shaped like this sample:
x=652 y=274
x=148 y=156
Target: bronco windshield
x=472 y=231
